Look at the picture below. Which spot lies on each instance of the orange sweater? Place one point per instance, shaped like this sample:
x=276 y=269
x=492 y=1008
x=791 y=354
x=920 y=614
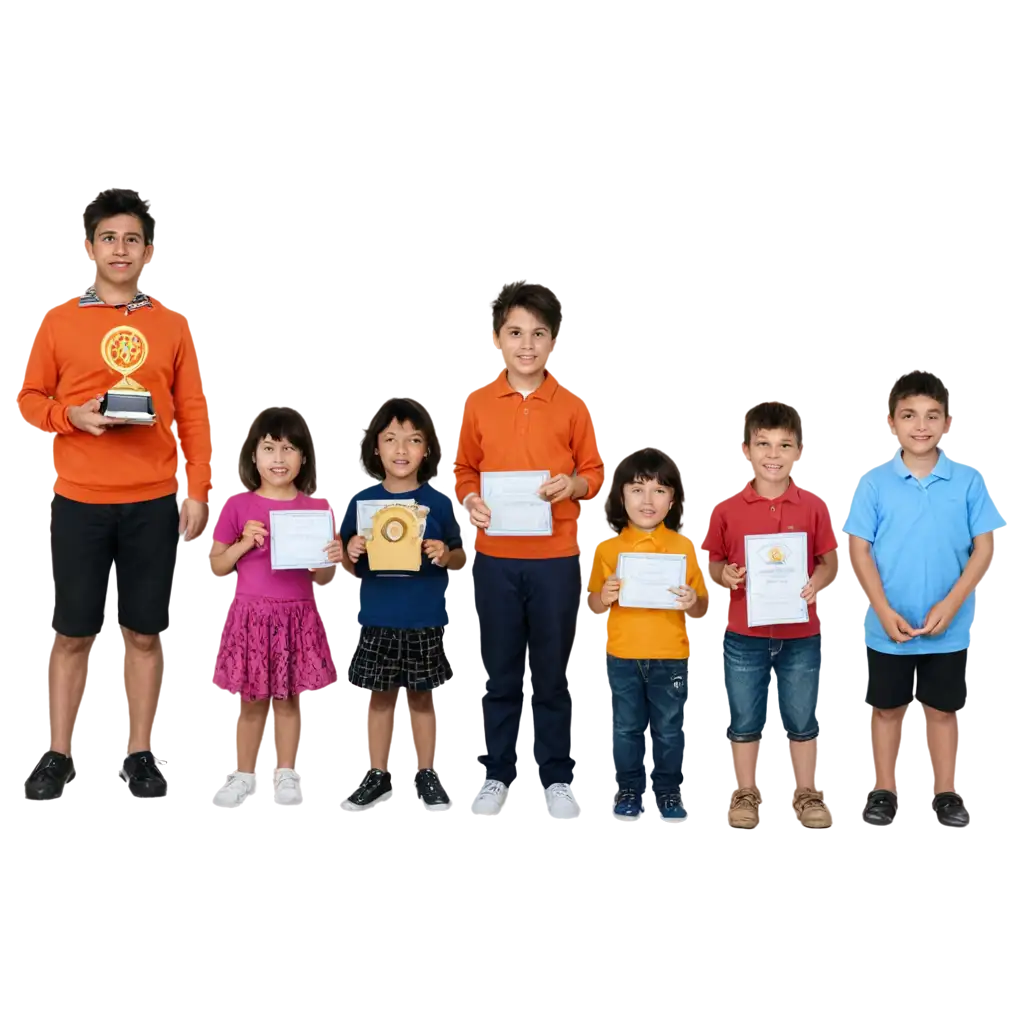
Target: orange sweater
x=129 y=463
x=504 y=432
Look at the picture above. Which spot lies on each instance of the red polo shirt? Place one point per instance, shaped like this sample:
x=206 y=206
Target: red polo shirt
x=796 y=511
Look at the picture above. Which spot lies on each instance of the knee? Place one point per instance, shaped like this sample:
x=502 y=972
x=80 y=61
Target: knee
x=72 y=645
x=420 y=701
x=937 y=717
x=890 y=714
x=287 y=708
x=143 y=643
x=254 y=709
x=382 y=702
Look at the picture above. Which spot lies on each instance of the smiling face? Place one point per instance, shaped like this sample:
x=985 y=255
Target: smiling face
x=919 y=422
x=525 y=342
x=647 y=503
x=278 y=463
x=401 y=447
x=119 y=250
x=772 y=454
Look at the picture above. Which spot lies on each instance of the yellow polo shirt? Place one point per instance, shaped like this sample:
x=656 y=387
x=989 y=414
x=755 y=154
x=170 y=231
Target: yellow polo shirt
x=645 y=633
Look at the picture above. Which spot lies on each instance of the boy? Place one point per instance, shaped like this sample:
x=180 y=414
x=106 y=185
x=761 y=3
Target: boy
x=648 y=648
x=920 y=541
x=527 y=588
x=772 y=503
x=115 y=495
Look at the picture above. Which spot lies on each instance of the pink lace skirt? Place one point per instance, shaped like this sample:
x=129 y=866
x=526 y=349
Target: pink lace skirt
x=273 y=649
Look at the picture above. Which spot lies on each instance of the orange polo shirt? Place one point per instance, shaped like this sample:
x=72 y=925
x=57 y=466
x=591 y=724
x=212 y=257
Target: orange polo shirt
x=644 y=633
x=126 y=463
x=550 y=429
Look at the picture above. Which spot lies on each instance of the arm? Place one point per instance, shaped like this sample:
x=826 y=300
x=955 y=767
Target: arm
x=324 y=575
x=727 y=574
x=943 y=613
x=863 y=561
x=468 y=457
x=192 y=417
x=224 y=557
x=824 y=573
x=589 y=467
x=36 y=398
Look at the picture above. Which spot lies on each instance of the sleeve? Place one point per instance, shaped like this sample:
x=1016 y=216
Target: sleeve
x=981 y=512
x=228 y=528
x=587 y=459
x=192 y=417
x=715 y=542
x=450 y=527
x=469 y=455
x=36 y=398
x=348 y=524
x=694 y=577
x=863 y=518
x=824 y=539
x=599 y=573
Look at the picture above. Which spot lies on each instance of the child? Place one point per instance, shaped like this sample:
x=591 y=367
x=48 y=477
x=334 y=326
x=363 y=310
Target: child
x=527 y=588
x=273 y=646
x=772 y=503
x=920 y=541
x=647 y=647
x=402 y=614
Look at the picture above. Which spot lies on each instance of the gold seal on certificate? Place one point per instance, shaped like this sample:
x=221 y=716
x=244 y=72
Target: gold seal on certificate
x=396 y=533
x=124 y=350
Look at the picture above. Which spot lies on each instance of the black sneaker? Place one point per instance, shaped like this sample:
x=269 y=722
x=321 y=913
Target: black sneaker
x=949 y=809
x=430 y=790
x=376 y=786
x=49 y=777
x=880 y=808
x=143 y=776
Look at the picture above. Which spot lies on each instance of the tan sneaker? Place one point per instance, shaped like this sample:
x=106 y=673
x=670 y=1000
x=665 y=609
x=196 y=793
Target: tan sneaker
x=743 y=809
x=810 y=809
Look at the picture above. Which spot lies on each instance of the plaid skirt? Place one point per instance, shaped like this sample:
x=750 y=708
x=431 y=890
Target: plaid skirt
x=387 y=657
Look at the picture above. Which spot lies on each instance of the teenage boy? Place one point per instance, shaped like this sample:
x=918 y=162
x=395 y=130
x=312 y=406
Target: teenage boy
x=772 y=504
x=920 y=541
x=527 y=588
x=115 y=496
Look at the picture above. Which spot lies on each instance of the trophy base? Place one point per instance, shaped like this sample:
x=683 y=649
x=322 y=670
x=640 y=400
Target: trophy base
x=133 y=407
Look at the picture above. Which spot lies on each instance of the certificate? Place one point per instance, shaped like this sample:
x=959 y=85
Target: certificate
x=776 y=573
x=646 y=579
x=366 y=510
x=298 y=538
x=517 y=510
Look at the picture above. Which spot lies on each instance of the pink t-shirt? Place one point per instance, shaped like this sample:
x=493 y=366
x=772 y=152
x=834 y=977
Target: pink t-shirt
x=255 y=577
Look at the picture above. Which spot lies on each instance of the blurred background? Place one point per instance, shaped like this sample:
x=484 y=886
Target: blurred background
x=691 y=291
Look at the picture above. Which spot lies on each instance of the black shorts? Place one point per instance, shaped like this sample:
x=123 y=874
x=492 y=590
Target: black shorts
x=386 y=658
x=941 y=679
x=140 y=538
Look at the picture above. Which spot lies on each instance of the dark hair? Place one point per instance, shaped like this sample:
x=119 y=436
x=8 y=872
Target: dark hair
x=773 y=416
x=646 y=464
x=279 y=424
x=113 y=202
x=405 y=410
x=920 y=382
x=540 y=301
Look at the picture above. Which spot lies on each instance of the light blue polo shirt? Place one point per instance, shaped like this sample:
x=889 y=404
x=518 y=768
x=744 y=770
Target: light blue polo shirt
x=921 y=534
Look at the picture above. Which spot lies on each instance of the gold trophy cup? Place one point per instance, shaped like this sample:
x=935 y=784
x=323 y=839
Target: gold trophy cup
x=396 y=540
x=124 y=350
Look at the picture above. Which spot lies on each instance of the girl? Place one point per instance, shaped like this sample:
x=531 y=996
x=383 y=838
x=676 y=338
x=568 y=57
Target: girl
x=273 y=646
x=647 y=647
x=402 y=614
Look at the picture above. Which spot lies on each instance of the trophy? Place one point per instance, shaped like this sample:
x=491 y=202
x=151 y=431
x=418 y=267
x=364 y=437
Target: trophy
x=124 y=350
x=395 y=542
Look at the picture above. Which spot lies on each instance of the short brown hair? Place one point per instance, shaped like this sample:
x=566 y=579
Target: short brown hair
x=773 y=416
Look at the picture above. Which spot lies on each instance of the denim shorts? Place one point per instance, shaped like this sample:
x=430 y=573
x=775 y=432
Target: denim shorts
x=749 y=661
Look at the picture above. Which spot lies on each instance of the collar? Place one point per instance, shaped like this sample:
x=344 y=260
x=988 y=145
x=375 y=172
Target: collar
x=791 y=493
x=941 y=469
x=90 y=298
x=637 y=537
x=545 y=392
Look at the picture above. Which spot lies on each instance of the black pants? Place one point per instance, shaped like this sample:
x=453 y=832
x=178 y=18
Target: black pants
x=527 y=603
x=140 y=538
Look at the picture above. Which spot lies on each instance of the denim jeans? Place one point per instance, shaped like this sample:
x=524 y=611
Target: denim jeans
x=749 y=661
x=648 y=692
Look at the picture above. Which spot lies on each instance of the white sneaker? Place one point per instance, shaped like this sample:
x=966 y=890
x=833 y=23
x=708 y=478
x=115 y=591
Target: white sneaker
x=561 y=802
x=235 y=790
x=286 y=787
x=490 y=798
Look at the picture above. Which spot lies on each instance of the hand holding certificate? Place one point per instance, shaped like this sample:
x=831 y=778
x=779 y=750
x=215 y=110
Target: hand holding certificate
x=650 y=581
x=299 y=538
x=517 y=510
x=775 y=577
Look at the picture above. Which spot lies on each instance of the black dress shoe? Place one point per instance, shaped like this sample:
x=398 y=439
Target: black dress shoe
x=143 y=776
x=376 y=786
x=430 y=791
x=949 y=809
x=881 y=807
x=49 y=777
